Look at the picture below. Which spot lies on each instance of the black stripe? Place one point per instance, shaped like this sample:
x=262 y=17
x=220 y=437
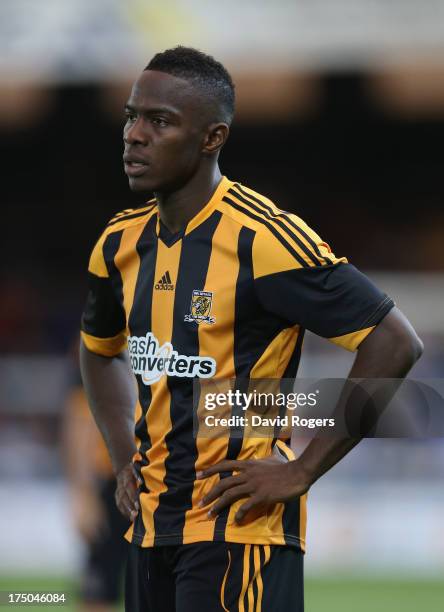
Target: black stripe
x=233 y=585
x=293 y=364
x=130 y=216
x=250 y=578
x=287 y=382
x=291 y=517
x=278 y=222
x=139 y=324
x=169 y=517
x=262 y=557
x=262 y=565
x=168 y=277
x=103 y=315
x=291 y=522
x=245 y=341
x=257 y=571
x=234 y=447
x=139 y=321
x=289 y=221
x=245 y=347
x=110 y=247
x=268 y=225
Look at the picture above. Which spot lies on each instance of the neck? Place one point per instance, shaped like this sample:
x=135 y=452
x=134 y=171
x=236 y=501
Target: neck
x=178 y=207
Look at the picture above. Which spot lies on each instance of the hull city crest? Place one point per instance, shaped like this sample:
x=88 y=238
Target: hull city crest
x=200 y=308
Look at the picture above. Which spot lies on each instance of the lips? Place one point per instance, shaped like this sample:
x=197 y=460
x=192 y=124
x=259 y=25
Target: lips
x=134 y=166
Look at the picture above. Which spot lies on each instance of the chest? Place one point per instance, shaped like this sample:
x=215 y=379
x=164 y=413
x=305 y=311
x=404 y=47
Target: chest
x=195 y=286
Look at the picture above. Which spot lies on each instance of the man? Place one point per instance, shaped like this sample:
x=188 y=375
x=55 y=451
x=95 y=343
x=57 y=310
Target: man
x=211 y=279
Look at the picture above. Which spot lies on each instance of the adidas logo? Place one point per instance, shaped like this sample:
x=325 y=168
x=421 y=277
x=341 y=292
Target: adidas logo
x=165 y=283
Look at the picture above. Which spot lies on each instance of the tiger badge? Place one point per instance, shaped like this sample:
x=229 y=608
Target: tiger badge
x=200 y=308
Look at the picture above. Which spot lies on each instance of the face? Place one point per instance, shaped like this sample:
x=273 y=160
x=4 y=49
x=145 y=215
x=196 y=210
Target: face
x=166 y=133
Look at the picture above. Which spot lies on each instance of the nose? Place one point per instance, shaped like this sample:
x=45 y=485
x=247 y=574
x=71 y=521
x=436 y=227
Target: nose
x=134 y=133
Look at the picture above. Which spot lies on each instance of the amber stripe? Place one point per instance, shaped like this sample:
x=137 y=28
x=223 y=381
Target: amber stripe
x=218 y=341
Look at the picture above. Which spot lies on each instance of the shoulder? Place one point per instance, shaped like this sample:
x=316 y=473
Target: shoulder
x=119 y=222
x=279 y=234
x=262 y=214
x=248 y=207
x=131 y=216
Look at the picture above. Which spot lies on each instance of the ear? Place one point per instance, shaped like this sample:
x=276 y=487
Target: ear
x=215 y=138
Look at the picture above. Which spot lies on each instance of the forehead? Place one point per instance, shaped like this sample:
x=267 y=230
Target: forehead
x=154 y=89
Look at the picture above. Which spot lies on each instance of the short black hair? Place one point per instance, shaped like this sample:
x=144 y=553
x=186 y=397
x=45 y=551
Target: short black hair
x=209 y=75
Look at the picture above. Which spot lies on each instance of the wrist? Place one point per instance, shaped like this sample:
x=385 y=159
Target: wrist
x=119 y=467
x=122 y=459
x=301 y=477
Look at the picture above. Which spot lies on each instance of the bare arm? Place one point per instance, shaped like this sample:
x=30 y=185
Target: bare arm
x=389 y=351
x=111 y=393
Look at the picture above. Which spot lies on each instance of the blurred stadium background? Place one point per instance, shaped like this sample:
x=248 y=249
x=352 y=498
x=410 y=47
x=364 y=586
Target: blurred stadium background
x=340 y=119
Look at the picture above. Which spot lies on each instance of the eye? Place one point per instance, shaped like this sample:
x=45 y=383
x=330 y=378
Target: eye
x=130 y=116
x=159 y=121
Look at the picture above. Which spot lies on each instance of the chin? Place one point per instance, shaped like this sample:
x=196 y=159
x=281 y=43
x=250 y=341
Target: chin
x=160 y=184
x=138 y=185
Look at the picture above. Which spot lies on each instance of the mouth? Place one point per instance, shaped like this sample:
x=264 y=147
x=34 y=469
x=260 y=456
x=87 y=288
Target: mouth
x=135 y=168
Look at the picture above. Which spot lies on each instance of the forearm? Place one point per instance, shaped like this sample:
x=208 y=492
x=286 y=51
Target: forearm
x=388 y=352
x=111 y=393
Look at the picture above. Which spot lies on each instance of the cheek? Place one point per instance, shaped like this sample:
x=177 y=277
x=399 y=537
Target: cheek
x=183 y=153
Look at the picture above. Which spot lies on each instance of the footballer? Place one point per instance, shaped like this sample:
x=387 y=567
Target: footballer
x=210 y=279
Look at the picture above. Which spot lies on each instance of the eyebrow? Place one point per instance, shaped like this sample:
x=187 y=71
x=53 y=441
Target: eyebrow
x=151 y=111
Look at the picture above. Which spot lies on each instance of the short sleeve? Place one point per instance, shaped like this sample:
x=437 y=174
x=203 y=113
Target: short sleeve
x=322 y=293
x=103 y=324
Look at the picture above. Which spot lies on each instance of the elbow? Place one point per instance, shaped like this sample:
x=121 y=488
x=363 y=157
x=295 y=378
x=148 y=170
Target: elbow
x=405 y=345
x=418 y=348
x=408 y=348
x=393 y=347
